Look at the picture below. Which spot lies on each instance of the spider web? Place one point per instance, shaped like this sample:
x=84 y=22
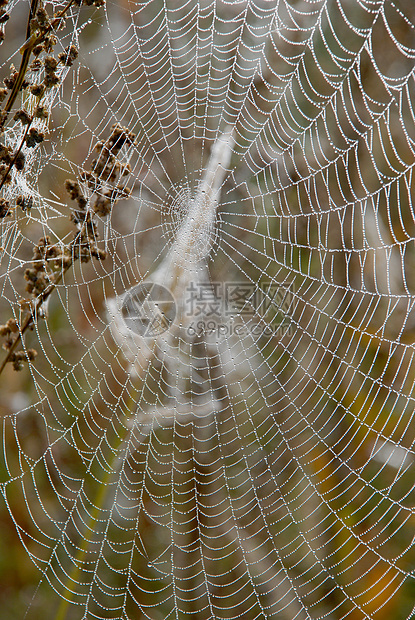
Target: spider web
x=253 y=456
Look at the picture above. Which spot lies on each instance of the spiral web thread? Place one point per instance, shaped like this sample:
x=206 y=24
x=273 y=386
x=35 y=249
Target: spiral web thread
x=264 y=472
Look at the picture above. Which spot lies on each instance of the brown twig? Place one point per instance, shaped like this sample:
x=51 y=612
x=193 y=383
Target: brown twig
x=23 y=67
x=41 y=280
x=33 y=40
x=30 y=317
x=16 y=155
x=26 y=51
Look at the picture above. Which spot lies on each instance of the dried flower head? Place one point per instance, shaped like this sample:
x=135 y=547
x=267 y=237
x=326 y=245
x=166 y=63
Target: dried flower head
x=37 y=49
x=69 y=55
x=42 y=18
x=50 y=80
x=38 y=90
x=49 y=42
x=36 y=65
x=25 y=203
x=5 y=176
x=73 y=189
x=19 y=161
x=41 y=112
x=23 y=117
x=4 y=208
x=34 y=137
x=5 y=154
x=11 y=79
x=50 y=64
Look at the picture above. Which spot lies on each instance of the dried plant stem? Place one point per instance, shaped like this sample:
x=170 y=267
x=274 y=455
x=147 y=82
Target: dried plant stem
x=34 y=40
x=32 y=314
x=26 y=52
x=16 y=155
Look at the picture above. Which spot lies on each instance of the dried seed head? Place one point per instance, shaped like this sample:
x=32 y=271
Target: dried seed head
x=17 y=364
x=66 y=262
x=12 y=325
x=22 y=116
x=37 y=50
x=38 y=90
x=42 y=18
x=69 y=55
x=5 y=154
x=5 y=177
x=24 y=202
x=4 y=207
x=73 y=189
x=126 y=169
x=31 y=354
x=98 y=254
x=59 y=22
x=41 y=112
x=49 y=42
x=50 y=80
x=50 y=64
x=30 y=275
x=102 y=205
x=11 y=79
x=34 y=137
x=36 y=65
x=120 y=136
x=19 y=161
